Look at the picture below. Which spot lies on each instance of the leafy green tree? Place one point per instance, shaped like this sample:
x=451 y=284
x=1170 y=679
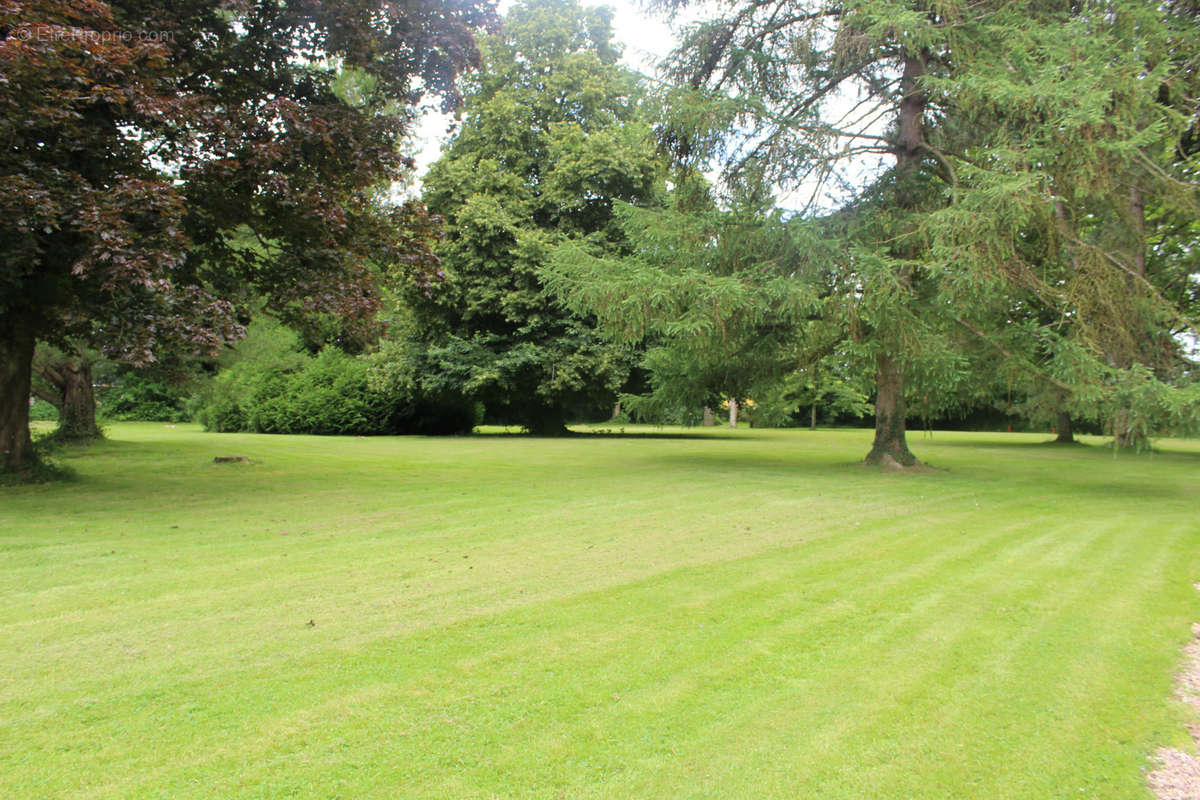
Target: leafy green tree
x=145 y=140
x=552 y=135
x=757 y=90
x=987 y=110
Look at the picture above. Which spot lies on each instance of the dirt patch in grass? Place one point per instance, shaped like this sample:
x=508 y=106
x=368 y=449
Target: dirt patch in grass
x=1178 y=773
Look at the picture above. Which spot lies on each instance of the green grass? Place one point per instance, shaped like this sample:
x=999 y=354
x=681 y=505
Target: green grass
x=723 y=615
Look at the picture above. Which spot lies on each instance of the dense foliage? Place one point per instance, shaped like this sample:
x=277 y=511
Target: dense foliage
x=137 y=398
x=147 y=143
x=271 y=384
x=997 y=215
x=552 y=134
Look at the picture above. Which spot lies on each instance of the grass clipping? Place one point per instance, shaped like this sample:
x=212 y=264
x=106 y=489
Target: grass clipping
x=1178 y=773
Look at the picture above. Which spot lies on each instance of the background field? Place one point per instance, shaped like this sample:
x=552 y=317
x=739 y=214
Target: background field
x=725 y=615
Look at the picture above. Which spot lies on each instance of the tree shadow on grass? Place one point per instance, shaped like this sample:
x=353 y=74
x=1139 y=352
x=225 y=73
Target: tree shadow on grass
x=1098 y=474
x=580 y=435
x=1095 y=449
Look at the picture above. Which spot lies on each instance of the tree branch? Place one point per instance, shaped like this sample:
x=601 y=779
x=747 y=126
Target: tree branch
x=1039 y=372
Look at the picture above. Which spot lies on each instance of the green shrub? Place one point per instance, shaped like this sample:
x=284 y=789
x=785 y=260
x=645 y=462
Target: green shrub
x=41 y=411
x=134 y=397
x=269 y=349
x=329 y=395
x=268 y=384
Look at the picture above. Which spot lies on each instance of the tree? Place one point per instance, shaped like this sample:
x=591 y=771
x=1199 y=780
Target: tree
x=713 y=296
x=146 y=141
x=64 y=379
x=1078 y=197
x=775 y=73
x=988 y=111
x=552 y=135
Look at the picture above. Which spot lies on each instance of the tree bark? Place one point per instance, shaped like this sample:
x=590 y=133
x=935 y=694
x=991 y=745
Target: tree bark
x=1137 y=212
x=891 y=445
x=1062 y=425
x=709 y=418
x=733 y=412
x=65 y=381
x=813 y=422
x=77 y=414
x=16 y=370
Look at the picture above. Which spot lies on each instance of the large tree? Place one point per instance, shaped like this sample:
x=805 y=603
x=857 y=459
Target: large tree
x=756 y=87
x=1077 y=198
x=1002 y=121
x=552 y=134
x=146 y=142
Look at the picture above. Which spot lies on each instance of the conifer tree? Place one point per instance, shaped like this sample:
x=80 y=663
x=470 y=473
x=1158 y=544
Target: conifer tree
x=1076 y=202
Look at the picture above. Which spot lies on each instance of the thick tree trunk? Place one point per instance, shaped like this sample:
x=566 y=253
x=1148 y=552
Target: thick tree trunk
x=812 y=426
x=709 y=419
x=1062 y=425
x=77 y=414
x=733 y=412
x=891 y=445
x=16 y=369
x=65 y=381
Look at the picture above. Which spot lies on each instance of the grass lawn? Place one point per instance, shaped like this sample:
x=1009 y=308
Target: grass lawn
x=723 y=615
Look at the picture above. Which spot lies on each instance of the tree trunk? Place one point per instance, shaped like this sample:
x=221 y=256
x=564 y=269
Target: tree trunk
x=1062 y=424
x=77 y=414
x=1137 y=212
x=65 y=381
x=812 y=426
x=733 y=412
x=891 y=446
x=709 y=418
x=616 y=410
x=16 y=369
x=1124 y=435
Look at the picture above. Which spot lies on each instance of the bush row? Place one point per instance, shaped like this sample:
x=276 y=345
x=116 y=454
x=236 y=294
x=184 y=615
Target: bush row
x=272 y=386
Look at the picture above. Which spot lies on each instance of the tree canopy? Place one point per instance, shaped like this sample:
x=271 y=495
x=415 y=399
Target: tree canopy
x=552 y=135
x=1027 y=141
x=148 y=142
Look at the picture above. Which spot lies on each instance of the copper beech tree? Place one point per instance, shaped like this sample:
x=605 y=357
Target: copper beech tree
x=166 y=162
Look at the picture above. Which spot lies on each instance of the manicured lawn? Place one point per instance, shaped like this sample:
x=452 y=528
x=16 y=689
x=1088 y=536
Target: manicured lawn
x=723 y=615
